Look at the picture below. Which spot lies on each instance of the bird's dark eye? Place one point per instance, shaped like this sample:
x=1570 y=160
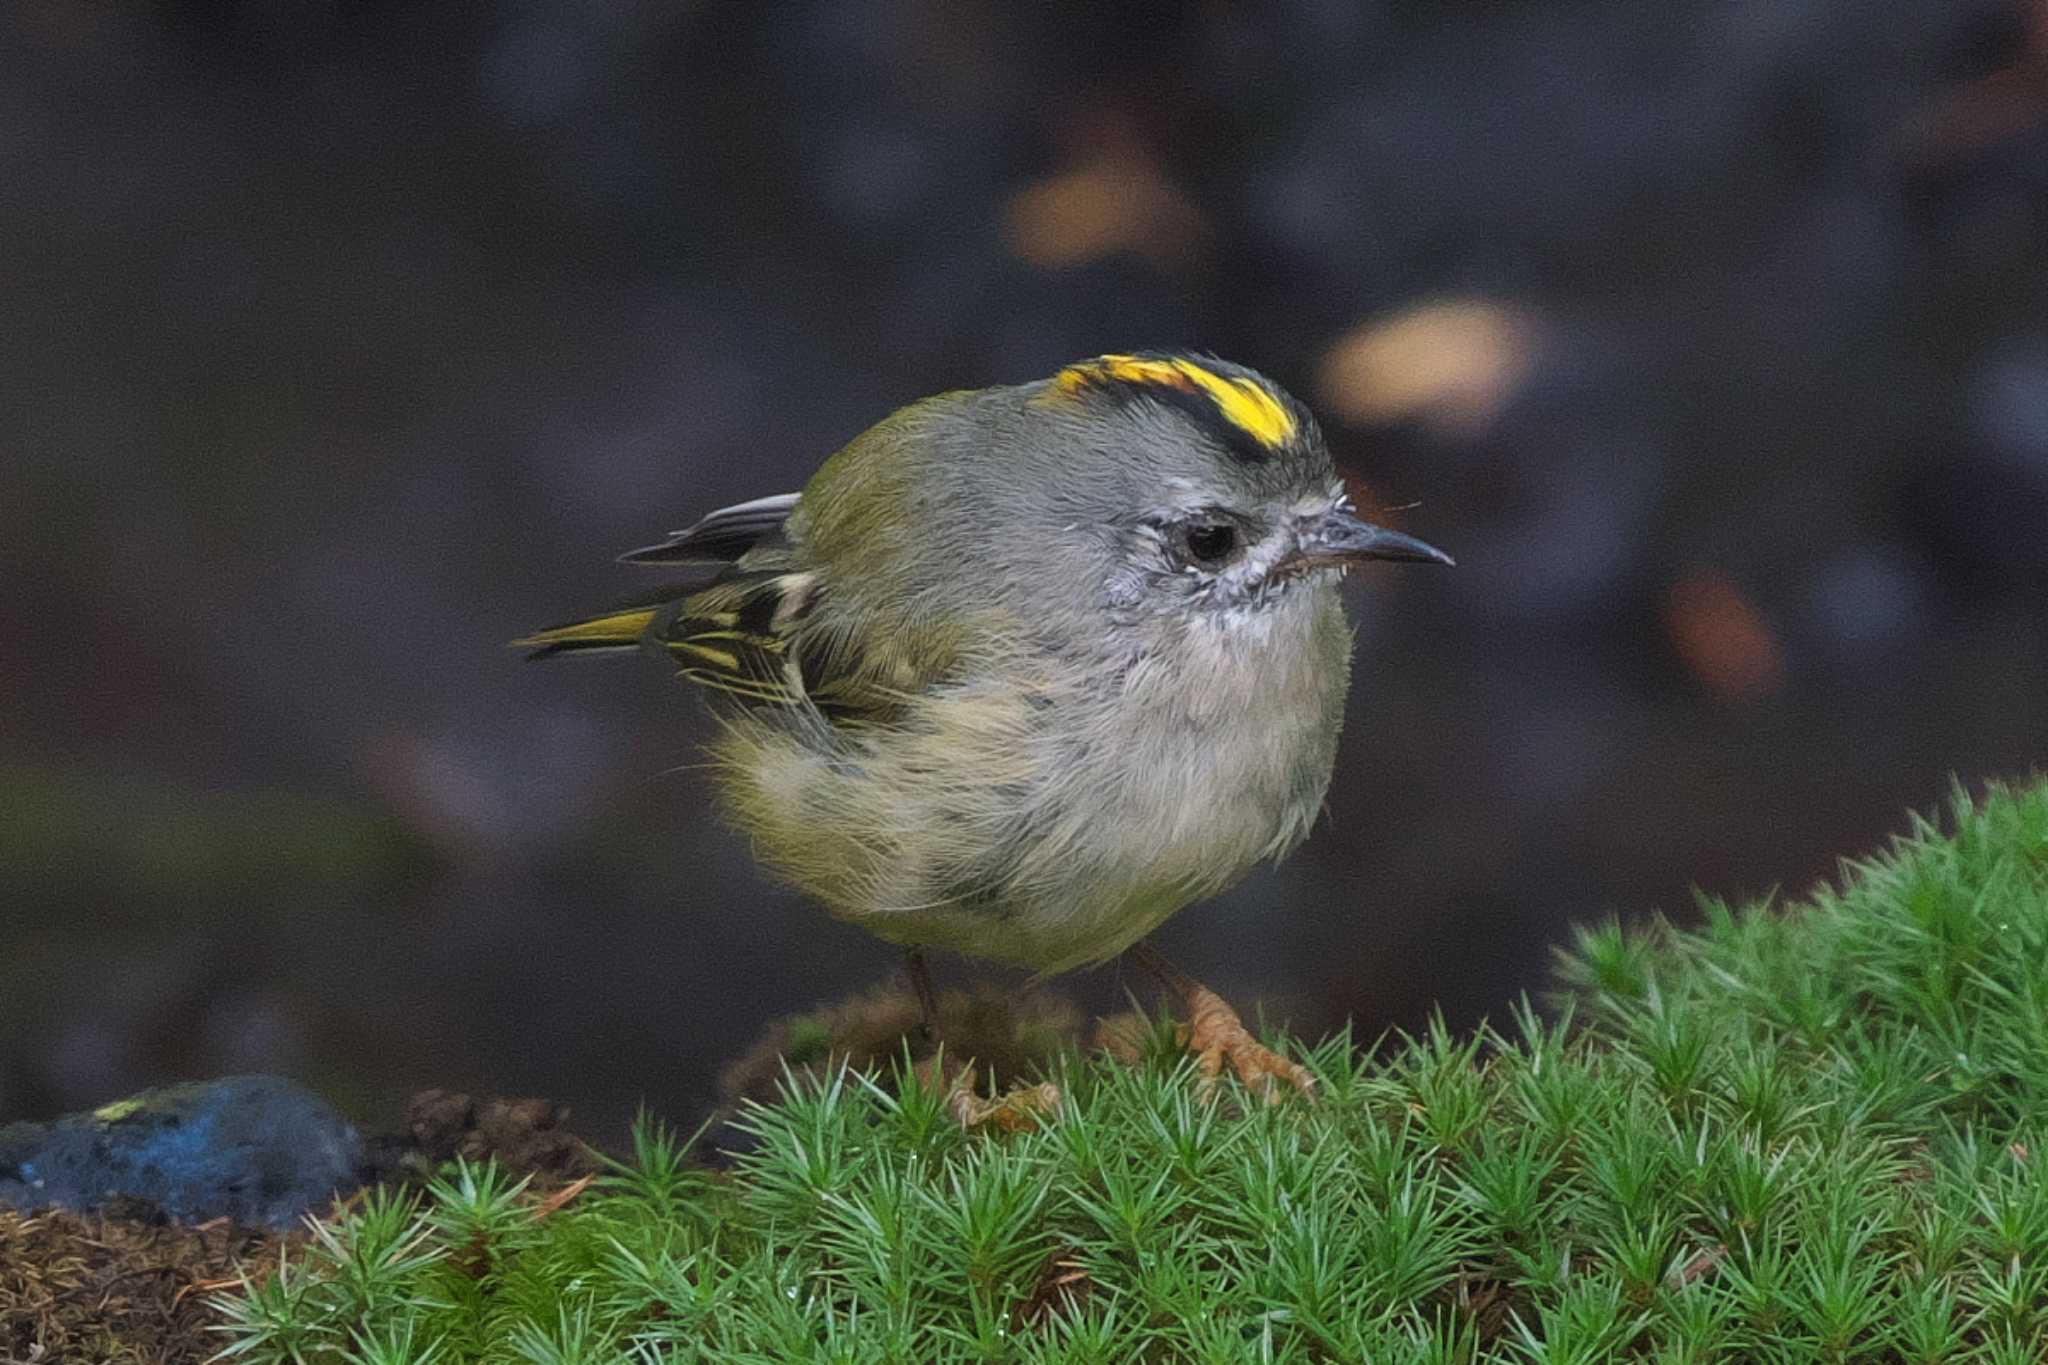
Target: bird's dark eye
x=1211 y=542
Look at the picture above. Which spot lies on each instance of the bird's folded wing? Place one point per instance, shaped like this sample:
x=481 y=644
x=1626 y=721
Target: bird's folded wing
x=768 y=637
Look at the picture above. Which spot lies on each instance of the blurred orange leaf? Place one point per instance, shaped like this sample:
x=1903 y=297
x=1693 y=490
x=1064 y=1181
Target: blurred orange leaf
x=1453 y=362
x=1115 y=199
x=1722 y=638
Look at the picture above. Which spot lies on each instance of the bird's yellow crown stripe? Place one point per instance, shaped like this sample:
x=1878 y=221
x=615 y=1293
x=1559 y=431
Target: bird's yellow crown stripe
x=1244 y=403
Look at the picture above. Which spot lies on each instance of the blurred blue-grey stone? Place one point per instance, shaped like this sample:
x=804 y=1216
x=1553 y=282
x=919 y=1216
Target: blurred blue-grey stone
x=257 y=1149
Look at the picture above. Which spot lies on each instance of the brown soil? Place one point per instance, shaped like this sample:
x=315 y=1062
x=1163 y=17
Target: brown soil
x=525 y=1137
x=115 y=1287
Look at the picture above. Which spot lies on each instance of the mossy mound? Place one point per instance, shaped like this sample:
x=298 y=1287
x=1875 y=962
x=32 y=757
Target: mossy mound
x=1808 y=1133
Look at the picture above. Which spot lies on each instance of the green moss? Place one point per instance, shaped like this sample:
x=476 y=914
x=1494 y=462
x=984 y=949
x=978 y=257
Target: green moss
x=809 y=1041
x=1800 y=1134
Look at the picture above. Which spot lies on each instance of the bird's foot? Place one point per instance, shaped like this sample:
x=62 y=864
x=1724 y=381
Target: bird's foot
x=1216 y=1034
x=1021 y=1109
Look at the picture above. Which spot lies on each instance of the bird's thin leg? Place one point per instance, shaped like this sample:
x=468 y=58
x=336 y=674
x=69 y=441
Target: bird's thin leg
x=927 y=999
x=1173 y=978
x=1216 y=1033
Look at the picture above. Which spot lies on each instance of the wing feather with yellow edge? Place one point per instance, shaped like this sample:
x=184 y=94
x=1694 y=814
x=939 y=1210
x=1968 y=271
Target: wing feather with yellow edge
x=749 y=635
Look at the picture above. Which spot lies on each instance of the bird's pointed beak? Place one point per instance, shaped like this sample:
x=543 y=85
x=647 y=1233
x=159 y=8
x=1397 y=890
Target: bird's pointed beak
x=1340 y=539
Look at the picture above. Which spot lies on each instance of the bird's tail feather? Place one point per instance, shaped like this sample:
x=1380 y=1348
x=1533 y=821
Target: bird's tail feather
x=614 y=630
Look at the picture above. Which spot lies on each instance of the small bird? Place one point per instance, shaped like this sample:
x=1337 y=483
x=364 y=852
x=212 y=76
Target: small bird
x=1024 y=670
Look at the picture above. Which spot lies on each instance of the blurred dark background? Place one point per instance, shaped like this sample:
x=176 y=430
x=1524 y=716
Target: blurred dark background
x=344 y=341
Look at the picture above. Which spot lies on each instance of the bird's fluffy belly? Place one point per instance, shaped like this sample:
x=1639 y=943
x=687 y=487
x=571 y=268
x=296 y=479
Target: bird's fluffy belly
x=981 y=827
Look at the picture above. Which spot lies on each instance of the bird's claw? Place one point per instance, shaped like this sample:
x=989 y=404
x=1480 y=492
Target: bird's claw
x=1022 y=1109
x=1216 y=1034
